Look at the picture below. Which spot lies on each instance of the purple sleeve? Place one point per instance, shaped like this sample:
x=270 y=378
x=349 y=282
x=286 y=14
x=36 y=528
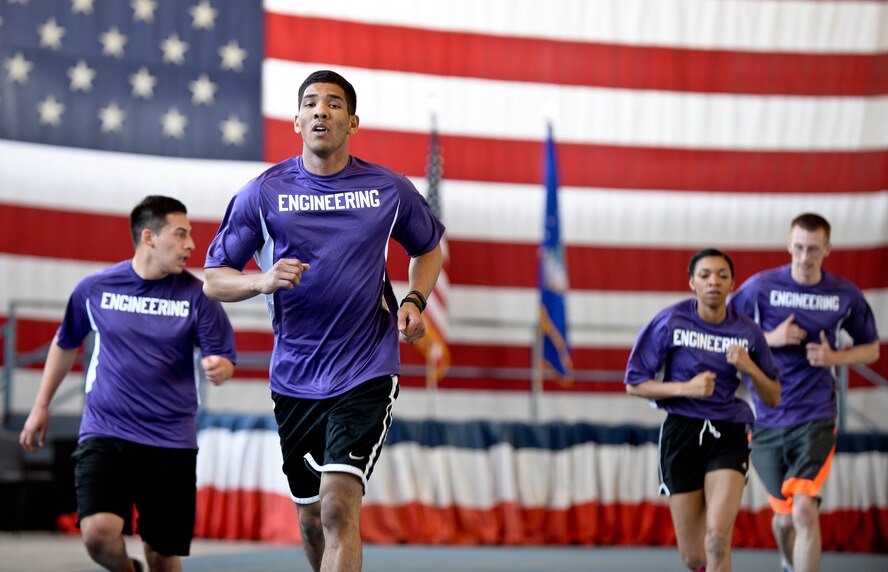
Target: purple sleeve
x=762 y=356
x=649 y=352
x=75 y=325
x=861 y=323
x=215 y=335
x=416 y=228
x=240 y=234
x=744 y=299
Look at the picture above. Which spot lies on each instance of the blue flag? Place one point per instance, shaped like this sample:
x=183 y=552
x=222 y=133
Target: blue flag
x=556 y=352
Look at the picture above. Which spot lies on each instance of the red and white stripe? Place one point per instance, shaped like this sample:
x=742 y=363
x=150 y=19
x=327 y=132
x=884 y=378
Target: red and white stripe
x=589 y=493
x=680 y=125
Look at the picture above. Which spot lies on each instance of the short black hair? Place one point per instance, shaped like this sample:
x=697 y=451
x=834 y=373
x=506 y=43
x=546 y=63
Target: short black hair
x=329 y=76
x=692 y=265
x=811 y=222
x=151 y=213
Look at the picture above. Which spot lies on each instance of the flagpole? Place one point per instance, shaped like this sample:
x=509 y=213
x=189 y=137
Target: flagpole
x=431 y=383
x=536 y=375
x=550 y=345
x=435 y=346
x=430 y=376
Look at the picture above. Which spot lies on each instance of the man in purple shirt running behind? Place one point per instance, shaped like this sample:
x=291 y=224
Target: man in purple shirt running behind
x=319 y=225
x=138 y=434
x=801 y=307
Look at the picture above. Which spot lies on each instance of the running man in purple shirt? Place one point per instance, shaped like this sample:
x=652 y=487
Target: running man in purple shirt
x=318 y=225
x=801 y=307
x=690 y=360
x=138 y=434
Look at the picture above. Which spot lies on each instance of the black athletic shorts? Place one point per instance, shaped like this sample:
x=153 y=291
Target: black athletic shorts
x=112 y=475
x=793 y=460
x=690 y=448
x=339 y=434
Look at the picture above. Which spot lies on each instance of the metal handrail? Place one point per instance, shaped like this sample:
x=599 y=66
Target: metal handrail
x=871 y=376
x=252 y=360
x=12 y=359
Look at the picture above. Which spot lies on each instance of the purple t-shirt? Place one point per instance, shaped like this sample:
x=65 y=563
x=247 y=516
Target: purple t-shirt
x=338 y=327
x=141 y=384
x=834 y=304
x=678 y=344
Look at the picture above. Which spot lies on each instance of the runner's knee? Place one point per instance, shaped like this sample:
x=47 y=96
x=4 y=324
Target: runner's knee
x=717 y=543
x=310 y=523
x=100 y=534
x=804 y=511
x=782 y=522
x=337 y=511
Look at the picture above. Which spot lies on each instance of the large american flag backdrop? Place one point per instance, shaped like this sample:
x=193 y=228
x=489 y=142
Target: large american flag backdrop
x=679 y=124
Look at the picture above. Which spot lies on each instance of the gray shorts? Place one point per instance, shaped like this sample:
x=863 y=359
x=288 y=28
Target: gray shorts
x=793 y=460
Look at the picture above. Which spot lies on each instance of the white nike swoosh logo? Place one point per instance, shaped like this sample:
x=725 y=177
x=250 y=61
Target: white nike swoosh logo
x=355 y=457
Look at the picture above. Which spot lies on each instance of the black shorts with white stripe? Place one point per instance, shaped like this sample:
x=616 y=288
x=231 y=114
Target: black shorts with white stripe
x=690 y=448
x=342 y=434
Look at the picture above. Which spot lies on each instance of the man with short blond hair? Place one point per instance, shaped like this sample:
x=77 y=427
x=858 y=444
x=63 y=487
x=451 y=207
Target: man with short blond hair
x=802 y=307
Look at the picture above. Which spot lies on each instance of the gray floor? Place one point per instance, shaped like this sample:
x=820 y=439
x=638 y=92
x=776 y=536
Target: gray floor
x=41 y=551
